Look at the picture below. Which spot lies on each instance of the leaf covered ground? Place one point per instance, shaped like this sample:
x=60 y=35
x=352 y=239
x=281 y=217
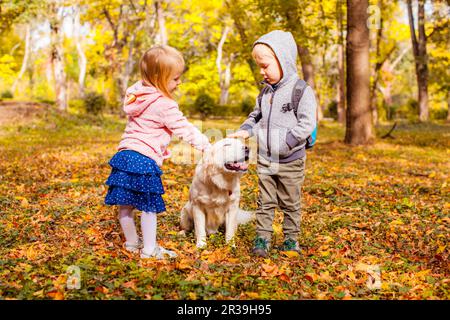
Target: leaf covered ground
x=375 y=221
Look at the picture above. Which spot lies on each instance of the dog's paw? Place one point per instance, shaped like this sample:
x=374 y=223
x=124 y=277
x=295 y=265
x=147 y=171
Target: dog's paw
x=201 y=244
x=182 y=233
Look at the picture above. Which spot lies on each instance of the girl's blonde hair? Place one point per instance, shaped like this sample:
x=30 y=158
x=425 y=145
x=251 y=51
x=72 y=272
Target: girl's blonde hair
x=158 y=65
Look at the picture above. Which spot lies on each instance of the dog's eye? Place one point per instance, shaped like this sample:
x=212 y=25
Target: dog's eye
x=227 y=145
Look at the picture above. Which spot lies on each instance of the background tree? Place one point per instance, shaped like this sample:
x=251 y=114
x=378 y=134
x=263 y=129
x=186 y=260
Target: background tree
x=101 y=42
x=126 y=20
x=56 y=15
x=82 y=61
x=419 y=45
x=340 y=94
x=359 y=119
x=159 y=10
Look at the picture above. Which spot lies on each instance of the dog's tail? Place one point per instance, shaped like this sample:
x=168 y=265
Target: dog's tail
x=244 y=217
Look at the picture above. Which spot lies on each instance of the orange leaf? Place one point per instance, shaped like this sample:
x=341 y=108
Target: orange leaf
x=311 y=277
x=253 y=295
x=285 y=278
x=184 y=264
x=56 y=295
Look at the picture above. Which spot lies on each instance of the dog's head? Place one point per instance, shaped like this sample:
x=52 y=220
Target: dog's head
x=228 y=155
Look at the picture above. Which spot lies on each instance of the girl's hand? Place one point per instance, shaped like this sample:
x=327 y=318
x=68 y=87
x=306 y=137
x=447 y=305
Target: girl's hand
x=206 y=148
x=239 y=134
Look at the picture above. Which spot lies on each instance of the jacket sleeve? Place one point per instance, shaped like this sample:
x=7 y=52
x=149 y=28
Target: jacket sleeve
x=177 y=123
x=250 y=124
x=306 y=116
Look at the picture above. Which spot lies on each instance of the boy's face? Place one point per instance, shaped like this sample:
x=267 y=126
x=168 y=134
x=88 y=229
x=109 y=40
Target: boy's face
x=269 y=65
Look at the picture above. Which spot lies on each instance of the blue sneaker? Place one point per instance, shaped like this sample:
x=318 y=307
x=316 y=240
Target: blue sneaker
x=261 y=248
x=290 y=245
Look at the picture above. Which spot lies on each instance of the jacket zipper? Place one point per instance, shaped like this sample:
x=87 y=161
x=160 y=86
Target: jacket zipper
x=269 y=153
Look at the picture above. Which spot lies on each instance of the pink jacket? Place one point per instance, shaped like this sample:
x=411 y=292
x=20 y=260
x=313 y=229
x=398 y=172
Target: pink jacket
x=152 y=119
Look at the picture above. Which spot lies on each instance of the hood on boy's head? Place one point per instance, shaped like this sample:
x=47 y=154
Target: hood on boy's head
x=138 y=98
x=285 y=48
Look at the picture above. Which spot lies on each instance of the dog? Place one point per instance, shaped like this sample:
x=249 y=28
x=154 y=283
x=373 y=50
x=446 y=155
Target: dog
x=215 y=192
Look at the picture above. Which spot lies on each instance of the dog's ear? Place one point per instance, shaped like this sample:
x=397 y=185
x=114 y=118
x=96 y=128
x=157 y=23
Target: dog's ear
x=208 y=161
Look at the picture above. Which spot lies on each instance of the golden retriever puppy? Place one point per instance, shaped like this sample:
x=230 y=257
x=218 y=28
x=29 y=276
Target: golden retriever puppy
x=215 y=192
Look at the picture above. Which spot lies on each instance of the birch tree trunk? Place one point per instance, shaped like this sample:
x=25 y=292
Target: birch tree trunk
x=161 y=22
x=26 y=57
x=57 y=57
x=224 y=75
x=82 y=61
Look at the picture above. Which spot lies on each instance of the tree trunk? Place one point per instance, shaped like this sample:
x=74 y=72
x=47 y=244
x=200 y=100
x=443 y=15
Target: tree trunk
x=376 y=70
x=224 y=75
x=294 y=25
x=420 y=57
x=448 y=106
x=129 y=17
x=237 y=17
x=387 y=97
x=359 y=119
x=25 y=58
x=308 y=75
x=161 y=22
x=341 y=66
x=225 y=89
x=82 y=61
x=125 y=77
x=57 y=58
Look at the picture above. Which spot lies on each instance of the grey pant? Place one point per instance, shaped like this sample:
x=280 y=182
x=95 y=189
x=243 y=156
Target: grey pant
x=279 y=185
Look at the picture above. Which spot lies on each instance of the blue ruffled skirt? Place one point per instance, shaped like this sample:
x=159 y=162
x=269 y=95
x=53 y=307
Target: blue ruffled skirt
x=135 y=180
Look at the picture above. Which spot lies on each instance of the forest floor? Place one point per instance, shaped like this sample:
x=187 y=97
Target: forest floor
x=375 y=220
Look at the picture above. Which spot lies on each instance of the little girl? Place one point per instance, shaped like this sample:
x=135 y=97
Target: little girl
x=153 y=116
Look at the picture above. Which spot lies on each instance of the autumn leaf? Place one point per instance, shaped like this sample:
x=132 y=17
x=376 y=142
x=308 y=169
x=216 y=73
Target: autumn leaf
x=291 y=254
x=311 y=277
x=56 y=295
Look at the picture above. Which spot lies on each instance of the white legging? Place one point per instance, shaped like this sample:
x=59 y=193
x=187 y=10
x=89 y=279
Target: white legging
x=148 y=227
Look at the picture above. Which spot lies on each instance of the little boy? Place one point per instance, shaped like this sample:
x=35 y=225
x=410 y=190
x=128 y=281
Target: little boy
x=281 y=134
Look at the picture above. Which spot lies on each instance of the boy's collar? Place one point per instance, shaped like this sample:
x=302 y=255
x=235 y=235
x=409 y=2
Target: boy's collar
x=273 y=86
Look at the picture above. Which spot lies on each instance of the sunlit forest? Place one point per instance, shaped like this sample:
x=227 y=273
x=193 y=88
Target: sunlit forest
x=375 y=214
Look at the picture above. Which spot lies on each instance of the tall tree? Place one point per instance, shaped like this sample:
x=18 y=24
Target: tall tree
x=244 y=27
x=82 y=61
x=359 y=119
x=387 y=75
x=419 y=46
x=292 y=14
x=57 y=53
x=224 y=74
x=341 y=63
x=161 y=22
x=126 y=20
x=26 y=57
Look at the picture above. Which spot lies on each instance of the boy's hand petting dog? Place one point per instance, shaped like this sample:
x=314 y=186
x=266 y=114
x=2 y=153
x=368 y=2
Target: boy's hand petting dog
x=239 y=134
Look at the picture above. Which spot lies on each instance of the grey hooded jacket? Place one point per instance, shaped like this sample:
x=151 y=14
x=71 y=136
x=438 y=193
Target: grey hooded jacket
x=281 y=135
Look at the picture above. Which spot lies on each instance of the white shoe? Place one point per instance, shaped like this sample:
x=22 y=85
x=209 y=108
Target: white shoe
x=133 y=247
x=159 y=253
